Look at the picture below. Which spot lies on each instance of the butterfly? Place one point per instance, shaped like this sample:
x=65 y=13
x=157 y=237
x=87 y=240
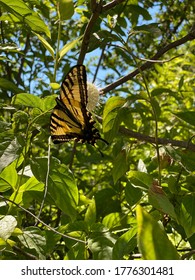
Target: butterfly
x=70 y=118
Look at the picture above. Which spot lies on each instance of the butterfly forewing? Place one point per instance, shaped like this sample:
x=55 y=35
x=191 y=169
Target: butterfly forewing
x=70 y=118
x=74 y=86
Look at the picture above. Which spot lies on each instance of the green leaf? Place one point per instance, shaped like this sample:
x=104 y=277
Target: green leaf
x=48 y=102
x=160 y=90
x=110 y=117
x=8 y=85
x=10 y=154
x=25 y=193
x=184 y=158
x=19 y=9
x=187 y=116
x=125 y=244
x=26 y=99
x=132 y=194
x=46 y=45
x=140 y=180
x=113 y=220
x=107 y=198
x=63 y=189
x=8 y=178
x=66 y=9
x=90 y=215
x=68 y=47
x=10 y=47
x=152 y=240
x=101 y=243
x=186 y=214
x=77 y=252
x=7 y=226
x=160 y=201
x=32 y=238
x=136 y=11
x=149 y=28
x=120 y=165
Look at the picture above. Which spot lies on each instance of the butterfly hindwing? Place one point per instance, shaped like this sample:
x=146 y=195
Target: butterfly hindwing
x=70 y=118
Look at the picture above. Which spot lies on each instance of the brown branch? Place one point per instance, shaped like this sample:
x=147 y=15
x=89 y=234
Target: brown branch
x=24 y=253
x=162 y=141
x=97 y=9
x=96 y=12
x=188 y=255
x=189 y=37
x=111 y=5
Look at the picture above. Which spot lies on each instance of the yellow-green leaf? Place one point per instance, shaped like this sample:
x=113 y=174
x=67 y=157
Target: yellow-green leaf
x=68 y=47
x=66 y=9
x=46 y=44
x=153 y=242
x=20 y=10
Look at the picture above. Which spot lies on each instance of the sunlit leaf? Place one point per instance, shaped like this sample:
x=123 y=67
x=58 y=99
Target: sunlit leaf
x=140 y=179
x=110 y=117
x=25 y=14
x=120 y=165
x=68 y=47
x=125 y=244
x=8 y=178
x=46 y=44
x=152 y=239
x=26 y=99
x=186 y=214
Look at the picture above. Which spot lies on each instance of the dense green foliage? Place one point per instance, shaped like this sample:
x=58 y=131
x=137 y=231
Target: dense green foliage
x=133 y=198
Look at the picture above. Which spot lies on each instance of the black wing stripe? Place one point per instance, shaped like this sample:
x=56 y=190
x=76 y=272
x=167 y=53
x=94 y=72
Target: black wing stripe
x=55 y=118
x=61 y=106
x=82 y=81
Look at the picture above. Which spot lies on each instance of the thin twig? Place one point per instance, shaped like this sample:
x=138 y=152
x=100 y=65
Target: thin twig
x=40 y=221
x=147 y=65
x=24 y=253
x=145 y=138
x=111 y=5
x=162 y=141
x=46 y=180
x=188 y=255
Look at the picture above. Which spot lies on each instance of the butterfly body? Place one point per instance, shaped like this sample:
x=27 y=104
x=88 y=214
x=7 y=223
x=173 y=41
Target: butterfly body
x=70 y=118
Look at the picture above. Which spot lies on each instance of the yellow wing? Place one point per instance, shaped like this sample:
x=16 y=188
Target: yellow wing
x=70 y=118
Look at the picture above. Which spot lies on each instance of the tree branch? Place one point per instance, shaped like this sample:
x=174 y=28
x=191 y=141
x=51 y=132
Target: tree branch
x=188 y=255
x=189 y=37
x=143 y=137
x=162 y=141
x=97 y=9
x=96 y=12
x=111 y=5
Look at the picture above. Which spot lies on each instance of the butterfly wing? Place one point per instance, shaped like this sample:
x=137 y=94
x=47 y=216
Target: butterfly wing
x=70 y=118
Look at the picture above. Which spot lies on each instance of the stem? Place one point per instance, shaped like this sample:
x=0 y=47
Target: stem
x=57 y=49
x=40 y=221
x=155 y=118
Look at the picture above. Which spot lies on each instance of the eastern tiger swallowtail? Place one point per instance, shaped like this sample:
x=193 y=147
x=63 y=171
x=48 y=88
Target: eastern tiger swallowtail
x=70 y=118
